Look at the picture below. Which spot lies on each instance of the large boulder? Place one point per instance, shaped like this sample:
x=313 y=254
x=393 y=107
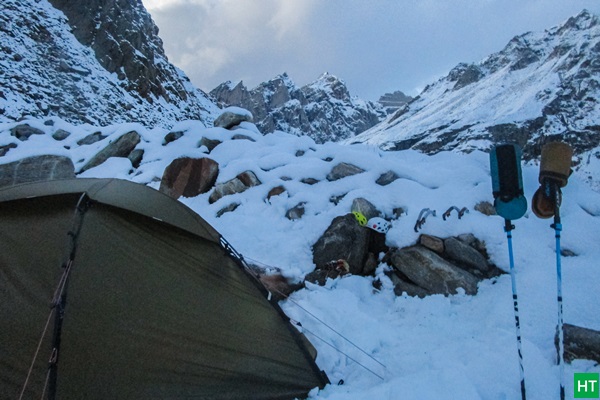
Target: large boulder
x=431 y=272
x=39 y=168
x=121 y=147
x=344 y=239
x=189 y=177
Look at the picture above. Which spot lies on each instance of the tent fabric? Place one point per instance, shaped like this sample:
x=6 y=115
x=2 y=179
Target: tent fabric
x=155 y=308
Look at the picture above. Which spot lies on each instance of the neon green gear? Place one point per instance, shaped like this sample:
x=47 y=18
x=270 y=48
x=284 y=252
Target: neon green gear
x=360 y=218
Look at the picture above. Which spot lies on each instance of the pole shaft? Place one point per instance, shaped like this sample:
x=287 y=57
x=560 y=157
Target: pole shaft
x=508 y=228
x=557 y=229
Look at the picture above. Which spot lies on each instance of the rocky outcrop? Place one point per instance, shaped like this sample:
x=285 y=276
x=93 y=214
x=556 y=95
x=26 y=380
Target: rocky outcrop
x=323 y=110
x=40 y=168
x=97 y=61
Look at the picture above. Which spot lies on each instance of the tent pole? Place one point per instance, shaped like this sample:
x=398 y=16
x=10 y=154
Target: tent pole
x=60 y=296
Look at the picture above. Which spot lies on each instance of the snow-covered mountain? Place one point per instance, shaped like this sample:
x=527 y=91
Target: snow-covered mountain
x=542 y=86
x=323 y=110
x=91 y=62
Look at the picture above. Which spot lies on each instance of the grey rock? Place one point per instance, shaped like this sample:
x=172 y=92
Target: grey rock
x=239 y=184
x=402 y=287
x=5 y=148
x=580 y=343
x=365 y=207
x=387 y=178
x=295 y=212
x=172 y=136
x=462 y=253
x=209 y=143
x=136 y=157
x=343 y=170
x=39 y=168
x=431 y=272
x=91 y=139
x=60 y=135
x=121 y=147
x=432 y=243
x=229 y=208
x=229 y=119
x=485 y=207
x=24 y=131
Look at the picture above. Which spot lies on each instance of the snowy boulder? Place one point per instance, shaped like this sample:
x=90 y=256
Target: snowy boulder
x=24 y=131
x=232 y=116
x=239 y=184
x=387 y=178
x=431 y=272
x=343 y=170
x=91 y=138
x=172 y=136
x=38 y=168
x=210 y=144
x=189 y=177
x=121 y=147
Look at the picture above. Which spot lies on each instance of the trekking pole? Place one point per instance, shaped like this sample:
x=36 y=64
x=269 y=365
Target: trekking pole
x=510 y=203
x=555 y=169
x=508 y=227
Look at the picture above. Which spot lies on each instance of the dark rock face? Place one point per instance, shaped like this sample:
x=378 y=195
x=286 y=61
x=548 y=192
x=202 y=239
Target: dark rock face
x=125 y=40
x=323 y=110
x=101 y=64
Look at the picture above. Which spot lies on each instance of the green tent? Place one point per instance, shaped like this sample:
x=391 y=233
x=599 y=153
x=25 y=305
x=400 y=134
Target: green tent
x=154 y=304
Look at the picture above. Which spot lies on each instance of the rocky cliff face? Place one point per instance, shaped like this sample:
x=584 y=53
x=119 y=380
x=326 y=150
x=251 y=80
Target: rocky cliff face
x=323 y=110
x=541 y=87
x=96 y=61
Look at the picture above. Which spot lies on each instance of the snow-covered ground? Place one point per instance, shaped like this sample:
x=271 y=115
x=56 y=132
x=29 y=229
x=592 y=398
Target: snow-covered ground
x=386 y=347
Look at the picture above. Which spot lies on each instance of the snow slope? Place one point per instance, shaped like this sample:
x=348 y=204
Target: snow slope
x=456 y=347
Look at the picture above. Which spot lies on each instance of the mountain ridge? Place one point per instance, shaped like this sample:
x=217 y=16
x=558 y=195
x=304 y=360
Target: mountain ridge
x=323 y=109
x=540 y=87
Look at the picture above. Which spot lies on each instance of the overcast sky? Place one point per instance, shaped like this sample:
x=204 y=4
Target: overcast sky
x=375 y=46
